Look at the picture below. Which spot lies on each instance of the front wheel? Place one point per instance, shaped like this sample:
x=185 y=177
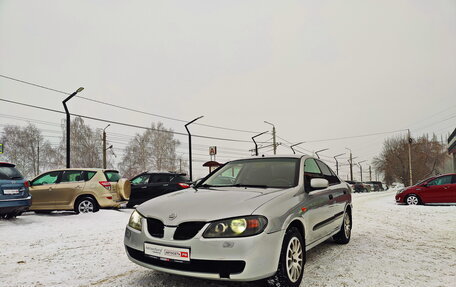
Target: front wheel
x=412 y=200
x=291 y=262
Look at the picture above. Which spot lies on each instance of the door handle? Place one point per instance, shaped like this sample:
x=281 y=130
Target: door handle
x=50 y=188
x=165 y=184
x=331 y=197
x=144 y=187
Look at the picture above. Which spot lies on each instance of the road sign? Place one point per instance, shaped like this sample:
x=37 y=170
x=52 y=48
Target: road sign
x=212 y=150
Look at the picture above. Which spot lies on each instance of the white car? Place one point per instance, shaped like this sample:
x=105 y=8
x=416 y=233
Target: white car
x=250 y=219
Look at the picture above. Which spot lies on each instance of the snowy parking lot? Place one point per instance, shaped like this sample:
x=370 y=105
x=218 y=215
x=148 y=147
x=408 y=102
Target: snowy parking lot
x=392 y=245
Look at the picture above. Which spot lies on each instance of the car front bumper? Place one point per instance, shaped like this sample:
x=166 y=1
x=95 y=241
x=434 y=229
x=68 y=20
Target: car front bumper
x=238 y=259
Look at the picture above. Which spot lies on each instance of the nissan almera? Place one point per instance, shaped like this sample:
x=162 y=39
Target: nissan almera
x=251 y=219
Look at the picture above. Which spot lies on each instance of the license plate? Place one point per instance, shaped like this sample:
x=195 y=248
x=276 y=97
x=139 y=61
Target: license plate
x=167 y=253
x=10 y=191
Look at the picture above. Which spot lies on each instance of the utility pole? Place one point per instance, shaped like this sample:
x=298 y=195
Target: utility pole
x=410 y=155
x=274 y=143
x=337 y=163
x=370 y=173
x=104 y=146
x=351 y=164
x=68 y=127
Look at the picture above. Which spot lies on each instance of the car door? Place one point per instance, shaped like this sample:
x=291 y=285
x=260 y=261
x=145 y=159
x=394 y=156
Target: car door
x=451 y=191
x=338 y=197
x=71 y=183
x=41 y=189
x=139 y=188
x=158 y=184
x=437 y=190
x=318 y=213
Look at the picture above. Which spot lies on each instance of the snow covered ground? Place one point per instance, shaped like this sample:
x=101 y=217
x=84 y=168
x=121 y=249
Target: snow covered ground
x=391 y=245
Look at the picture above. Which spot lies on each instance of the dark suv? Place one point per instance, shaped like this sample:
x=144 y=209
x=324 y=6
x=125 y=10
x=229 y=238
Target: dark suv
x=148 y=185
x=14 y=191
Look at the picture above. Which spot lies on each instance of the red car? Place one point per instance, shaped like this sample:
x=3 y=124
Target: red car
x=435 y=190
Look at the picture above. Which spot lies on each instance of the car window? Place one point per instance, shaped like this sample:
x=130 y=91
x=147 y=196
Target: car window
x=441 y=180
x=454 y=179
x=264 y=172
x=158 y=177
x=112 y=175
x=310 y=166
x=89 y=175
x=9 y=172
x=142 y=179
x=328 y=173
x=181 y=178
x=71 y=176
x=47 y=178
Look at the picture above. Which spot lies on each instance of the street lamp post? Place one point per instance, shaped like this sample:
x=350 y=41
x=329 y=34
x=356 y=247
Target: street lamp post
x=68 y=162
x=256 y=145
x=351 y=163
x=337 y=163
x=361 y=169
x=274 y=144
x=316 y=153
x=190 y=147
x=293 y=145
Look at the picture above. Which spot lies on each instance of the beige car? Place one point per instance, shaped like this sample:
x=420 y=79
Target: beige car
x=79 y=189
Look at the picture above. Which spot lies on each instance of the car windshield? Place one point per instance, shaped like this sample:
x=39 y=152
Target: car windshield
x=261 y=173
x=9 y=172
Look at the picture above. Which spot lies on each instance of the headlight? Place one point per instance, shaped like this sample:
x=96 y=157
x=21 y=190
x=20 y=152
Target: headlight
x=236 y=227
x=135 y=220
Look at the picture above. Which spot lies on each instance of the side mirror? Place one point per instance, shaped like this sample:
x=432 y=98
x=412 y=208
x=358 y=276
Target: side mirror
x=319 y=183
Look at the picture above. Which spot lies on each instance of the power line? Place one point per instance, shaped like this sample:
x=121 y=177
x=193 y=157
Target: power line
x=124 y=108
x=123 y=124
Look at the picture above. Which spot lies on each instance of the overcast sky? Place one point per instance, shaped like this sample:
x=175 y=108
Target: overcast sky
x=316 y=69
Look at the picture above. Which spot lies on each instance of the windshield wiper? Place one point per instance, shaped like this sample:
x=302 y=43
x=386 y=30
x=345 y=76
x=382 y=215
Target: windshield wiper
x=247 y=185
x=206 y=186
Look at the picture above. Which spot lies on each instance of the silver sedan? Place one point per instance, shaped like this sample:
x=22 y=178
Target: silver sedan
x=251 y=219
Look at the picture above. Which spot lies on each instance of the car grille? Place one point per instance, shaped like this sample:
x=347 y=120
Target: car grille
x=222 y=267
x=188 y=230
x=155 y=227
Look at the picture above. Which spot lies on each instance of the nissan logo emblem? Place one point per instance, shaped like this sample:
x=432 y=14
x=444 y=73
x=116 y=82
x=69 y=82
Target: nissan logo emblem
x=172 y=216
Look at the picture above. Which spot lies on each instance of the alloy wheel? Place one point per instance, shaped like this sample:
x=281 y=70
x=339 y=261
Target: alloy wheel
x=85 y=206
x=294 y=259
x=412 y=200
x=347 y=225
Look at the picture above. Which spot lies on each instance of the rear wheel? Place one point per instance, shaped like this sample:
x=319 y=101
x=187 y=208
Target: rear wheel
x=86 y=205
x=291 y=262
x=412 y=199
x=344 y=234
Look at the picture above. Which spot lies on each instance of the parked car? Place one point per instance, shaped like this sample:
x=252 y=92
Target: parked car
x=14 y=192
x=375 y=185
x=149 y=185
x=357 y=186
x=79 y=189
x=434 y=190
x=259 y=225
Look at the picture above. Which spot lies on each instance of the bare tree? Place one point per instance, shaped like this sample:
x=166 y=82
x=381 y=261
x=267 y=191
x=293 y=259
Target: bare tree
x=155 y=149
x=86 y=145
x=26 y=147
x=428 y=158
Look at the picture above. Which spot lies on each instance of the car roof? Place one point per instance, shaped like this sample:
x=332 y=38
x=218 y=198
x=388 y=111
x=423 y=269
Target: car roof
x=83 y=168
x=298 y=156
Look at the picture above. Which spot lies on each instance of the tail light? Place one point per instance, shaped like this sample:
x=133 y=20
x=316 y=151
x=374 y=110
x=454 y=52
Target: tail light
x=106 y=184
x=27 y=183
x=184 y=185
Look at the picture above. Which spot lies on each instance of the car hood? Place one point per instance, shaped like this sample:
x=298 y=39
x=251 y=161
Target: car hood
x=206 y=204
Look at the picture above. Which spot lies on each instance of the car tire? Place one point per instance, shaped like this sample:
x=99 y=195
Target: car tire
x=344 y=234
x=294 y=253
x=85 y=205
x=412 y=199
